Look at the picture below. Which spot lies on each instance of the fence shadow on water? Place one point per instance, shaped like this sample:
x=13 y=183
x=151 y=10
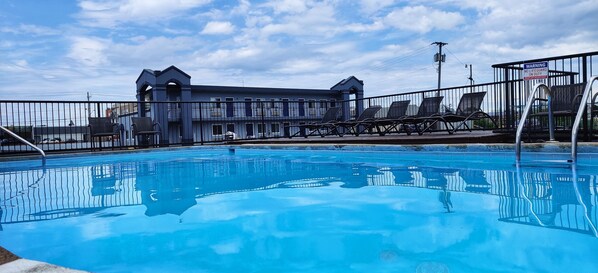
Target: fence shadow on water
x=543 y=198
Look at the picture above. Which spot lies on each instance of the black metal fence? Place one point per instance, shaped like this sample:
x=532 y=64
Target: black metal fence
x=63 y=125
x=562 y=71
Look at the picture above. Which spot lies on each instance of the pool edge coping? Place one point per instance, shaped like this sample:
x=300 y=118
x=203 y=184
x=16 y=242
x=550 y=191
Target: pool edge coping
x=583 y=148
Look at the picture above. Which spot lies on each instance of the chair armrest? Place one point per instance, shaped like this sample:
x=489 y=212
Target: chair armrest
x=577 y=97
x=594 y=99
x=116 y=128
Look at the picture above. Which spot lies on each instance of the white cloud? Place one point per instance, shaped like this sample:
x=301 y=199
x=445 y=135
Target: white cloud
x=110 y=13
x=372 y=6
x=304 y=44
x=89 y=51
x=27 y=29
x=287 y=6
x=242 y=8
x=356 y=27
x=218 y=28
x=423 y=19
x=317 y=20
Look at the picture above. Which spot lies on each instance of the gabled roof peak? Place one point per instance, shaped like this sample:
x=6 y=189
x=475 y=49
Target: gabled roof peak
x=343 y=82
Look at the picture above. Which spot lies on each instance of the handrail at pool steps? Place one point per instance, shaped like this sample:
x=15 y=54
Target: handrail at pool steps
x=19 y=138
x=530 y=100
x=580 y=112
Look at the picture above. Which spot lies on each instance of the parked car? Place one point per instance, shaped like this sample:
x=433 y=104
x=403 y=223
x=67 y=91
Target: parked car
x=51 y=141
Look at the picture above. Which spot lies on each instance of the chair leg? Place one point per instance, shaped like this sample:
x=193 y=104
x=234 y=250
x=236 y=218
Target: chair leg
x=407 y=129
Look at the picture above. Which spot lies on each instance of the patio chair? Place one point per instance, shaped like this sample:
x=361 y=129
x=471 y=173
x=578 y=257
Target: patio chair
x=428 y=108
x=402 y=176
x=469 y=109
x=143 y=128
x=364 y=119
x=102 y=128
x=396 y=112
x=324 y=127
x=475 y=181
x=565 y=101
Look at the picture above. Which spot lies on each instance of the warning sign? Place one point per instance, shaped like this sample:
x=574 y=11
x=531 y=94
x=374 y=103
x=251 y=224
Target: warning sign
x=535 y=71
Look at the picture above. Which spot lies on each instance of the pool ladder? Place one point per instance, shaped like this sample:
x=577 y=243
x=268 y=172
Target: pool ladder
x=576 y=123
x=19 y=138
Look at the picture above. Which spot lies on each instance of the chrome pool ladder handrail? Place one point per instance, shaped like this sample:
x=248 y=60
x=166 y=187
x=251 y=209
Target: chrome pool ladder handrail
x=26 y=142
x=528 y=107
x=581 y=202
x=578 y=117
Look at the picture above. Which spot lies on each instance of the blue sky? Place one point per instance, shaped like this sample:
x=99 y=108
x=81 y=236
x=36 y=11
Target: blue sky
x=61 y=49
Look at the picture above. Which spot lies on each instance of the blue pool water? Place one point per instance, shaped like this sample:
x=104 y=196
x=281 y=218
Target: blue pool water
x=303 y=210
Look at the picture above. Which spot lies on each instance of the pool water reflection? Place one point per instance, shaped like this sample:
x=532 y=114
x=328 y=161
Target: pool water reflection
x=289 y=211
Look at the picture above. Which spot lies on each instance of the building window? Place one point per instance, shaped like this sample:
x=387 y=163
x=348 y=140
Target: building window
x=230 y=127
x=260 y=107
x=260 y=129
x=248 y=107
x=216 y=103
x=249 y=130
x=323 y=104
x=311 y=107
x=217 y=129
x=275 y=128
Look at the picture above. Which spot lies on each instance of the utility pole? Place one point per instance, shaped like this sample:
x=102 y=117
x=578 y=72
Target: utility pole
x=88 y=105
x=471 y=81
x=440 y=58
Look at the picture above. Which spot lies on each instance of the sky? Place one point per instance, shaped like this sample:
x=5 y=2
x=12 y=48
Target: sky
x=62 y=49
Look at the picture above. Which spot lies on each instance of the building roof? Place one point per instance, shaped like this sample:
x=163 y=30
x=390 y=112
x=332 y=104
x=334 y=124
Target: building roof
x=254 y=90
x=346 y=81
x=157 y=73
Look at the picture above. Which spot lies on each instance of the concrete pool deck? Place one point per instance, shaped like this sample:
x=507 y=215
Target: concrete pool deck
x=10 y=263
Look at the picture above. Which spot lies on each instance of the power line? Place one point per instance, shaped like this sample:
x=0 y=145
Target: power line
x=450 y=52
x=393 y=61
x=471 y=74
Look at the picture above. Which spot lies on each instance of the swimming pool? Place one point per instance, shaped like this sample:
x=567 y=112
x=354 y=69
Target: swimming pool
x=330 y=209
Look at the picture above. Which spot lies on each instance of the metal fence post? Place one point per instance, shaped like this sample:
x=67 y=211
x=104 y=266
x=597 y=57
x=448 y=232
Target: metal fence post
x=200 y=123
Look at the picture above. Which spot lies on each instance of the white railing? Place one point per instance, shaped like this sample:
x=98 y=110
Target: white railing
x=530 y=100
x=19 y=138
x=580 y=112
